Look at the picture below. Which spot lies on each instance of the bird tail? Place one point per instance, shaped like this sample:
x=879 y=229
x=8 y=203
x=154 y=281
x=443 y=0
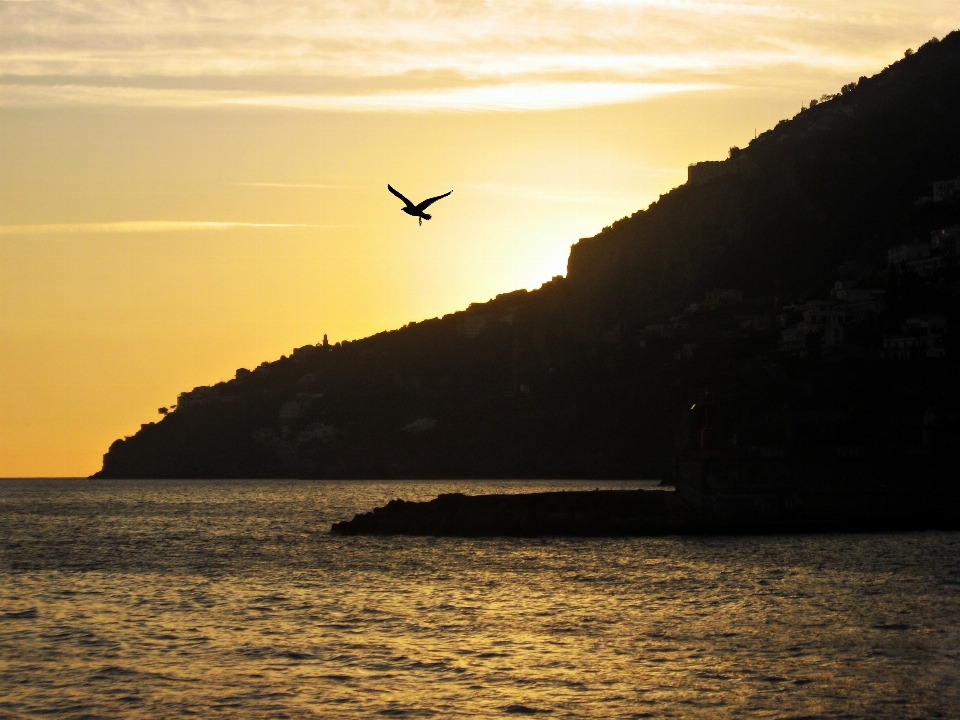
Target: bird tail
x=425 y=216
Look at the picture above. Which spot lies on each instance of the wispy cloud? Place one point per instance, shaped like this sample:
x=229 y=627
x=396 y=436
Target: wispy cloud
x=299 y=186
x=142 y=226
x=495 y=97
x=366 y=55
x=513 y=96
x=44 y=95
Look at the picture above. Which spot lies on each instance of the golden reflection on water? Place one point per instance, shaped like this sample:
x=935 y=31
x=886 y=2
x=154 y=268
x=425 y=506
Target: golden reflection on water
x=140 y=600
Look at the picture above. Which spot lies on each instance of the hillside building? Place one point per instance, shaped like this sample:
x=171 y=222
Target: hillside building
x=717 y=298
x=922 y=338
x=471 y=325
x=946 y=189
x=823 y=319
x=946 y=241
x=317 y=431
x=860 y=303
x=198 y=396
x=420 y=425
x=907 y=253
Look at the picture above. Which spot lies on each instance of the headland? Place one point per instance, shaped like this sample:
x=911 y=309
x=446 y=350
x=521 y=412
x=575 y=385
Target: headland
x=792 y=309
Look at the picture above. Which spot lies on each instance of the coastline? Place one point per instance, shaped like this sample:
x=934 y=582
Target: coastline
x=729 y=493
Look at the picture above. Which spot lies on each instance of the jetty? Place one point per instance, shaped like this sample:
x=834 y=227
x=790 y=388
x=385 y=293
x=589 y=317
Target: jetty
x=733 y=491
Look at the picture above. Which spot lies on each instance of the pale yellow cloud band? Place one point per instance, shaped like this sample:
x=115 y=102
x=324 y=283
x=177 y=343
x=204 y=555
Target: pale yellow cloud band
x=436 y=56
x=510 y=96
x=499 y=97
x=297 y=186
x=142 y=226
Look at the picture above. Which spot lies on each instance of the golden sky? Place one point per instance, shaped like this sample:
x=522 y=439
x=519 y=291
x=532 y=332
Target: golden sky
x=187 y=188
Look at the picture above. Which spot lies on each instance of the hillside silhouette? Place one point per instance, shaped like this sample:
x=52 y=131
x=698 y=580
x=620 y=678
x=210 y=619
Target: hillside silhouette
x=800 y=295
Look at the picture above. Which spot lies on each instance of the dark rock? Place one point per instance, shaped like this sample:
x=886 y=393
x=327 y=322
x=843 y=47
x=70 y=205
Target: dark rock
x=584 y=514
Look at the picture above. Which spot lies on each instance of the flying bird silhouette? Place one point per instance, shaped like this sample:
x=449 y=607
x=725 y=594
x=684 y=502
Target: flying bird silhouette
x=417 y=211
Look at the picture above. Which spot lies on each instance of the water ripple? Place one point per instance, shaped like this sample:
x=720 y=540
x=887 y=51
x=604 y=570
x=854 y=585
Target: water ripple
x=154 y=599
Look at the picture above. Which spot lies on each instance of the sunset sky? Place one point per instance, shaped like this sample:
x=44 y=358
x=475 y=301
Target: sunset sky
x=187 y=188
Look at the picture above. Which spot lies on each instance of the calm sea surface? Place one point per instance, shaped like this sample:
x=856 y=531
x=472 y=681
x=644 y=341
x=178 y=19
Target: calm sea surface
x=231 y=599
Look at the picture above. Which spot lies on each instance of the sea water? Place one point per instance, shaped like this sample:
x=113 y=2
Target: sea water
x=158 y=599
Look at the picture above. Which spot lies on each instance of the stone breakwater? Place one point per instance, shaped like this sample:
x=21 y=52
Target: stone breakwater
x=634 y=513
x=595 y=513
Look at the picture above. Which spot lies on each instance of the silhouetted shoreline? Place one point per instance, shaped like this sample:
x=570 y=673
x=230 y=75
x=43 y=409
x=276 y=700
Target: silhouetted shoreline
x=715 y=494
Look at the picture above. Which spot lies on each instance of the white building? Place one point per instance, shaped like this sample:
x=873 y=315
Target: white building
x=859 y=302
x=944 y=189
x=824 y=318
x=908 y=252
x=686 y=352
x=471 y=325
x=420 y=425
x=922 y=338
x=293 y=409
x=946 y=241
x=317 y=431
x=719 y=297
x=900 y=347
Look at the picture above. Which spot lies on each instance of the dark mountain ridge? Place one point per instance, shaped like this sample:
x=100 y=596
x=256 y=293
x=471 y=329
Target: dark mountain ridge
x=593 y=375
x=821 y=188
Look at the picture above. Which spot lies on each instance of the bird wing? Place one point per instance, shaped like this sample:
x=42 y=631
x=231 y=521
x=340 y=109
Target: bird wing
x=405 y=201
x=430 y=201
